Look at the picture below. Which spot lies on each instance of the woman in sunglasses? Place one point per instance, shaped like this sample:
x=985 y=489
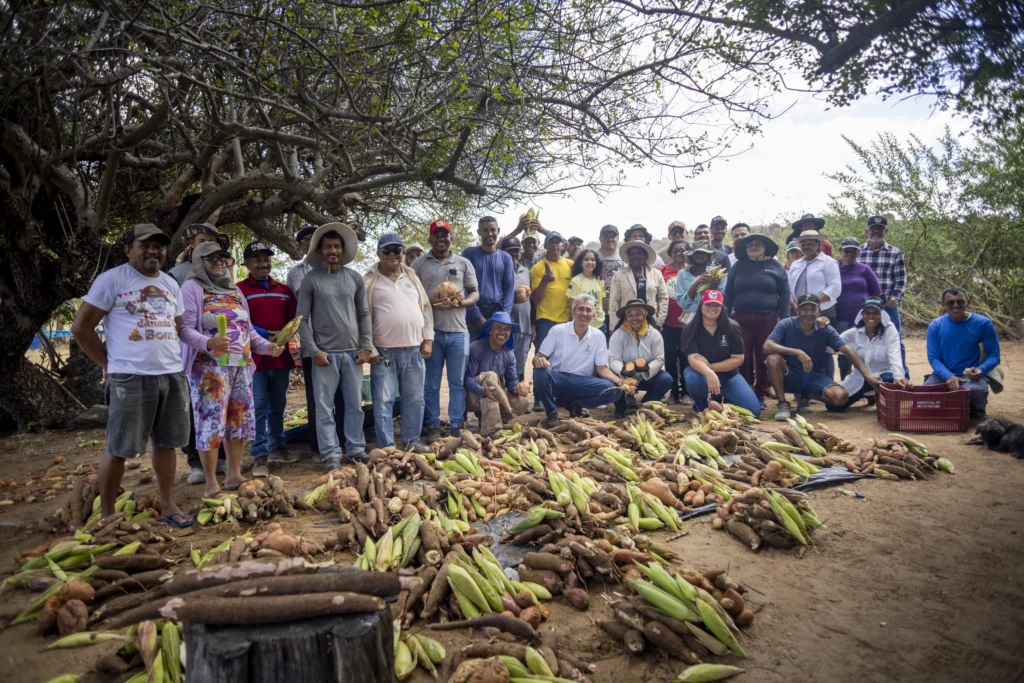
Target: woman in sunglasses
x=216 y=351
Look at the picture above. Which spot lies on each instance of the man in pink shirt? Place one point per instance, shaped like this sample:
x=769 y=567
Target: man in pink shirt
x=403 y=335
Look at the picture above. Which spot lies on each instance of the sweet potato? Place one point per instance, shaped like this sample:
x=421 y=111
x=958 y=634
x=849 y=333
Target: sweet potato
x=72 y=617
x=630 y=637
x=439 y=588
x=547 y=561
x=543 y=577
x=578 y=598
x=503 y=622
x=660 y=490
x=77 y=590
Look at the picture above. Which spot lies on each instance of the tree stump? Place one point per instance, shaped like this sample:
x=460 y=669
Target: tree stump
x=356 y=648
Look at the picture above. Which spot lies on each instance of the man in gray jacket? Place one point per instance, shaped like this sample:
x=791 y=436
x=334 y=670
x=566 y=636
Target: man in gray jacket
x=338 y=340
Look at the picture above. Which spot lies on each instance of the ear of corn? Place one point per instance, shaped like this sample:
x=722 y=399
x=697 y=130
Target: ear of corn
x=717 y=626
x=465 y=584
x=404 y=662
x=170 y=644
x=516 y=669
x=421 y=656
x=84 y=638
x=288 y=331
x=706 y=673
x=664 y=602
x=435 y=651
x=536 y=663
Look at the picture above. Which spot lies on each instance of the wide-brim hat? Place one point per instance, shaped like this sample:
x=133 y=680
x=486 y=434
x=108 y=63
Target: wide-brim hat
x=701 y=245
x=740 y=246
x=626 y=246
x=819 y=223
x=348 y=236
x=505 y=319
x=635 y=303
x=808 y=234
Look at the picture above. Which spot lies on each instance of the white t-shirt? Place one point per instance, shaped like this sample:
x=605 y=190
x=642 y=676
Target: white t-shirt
x=139 y=325
x=568 y=353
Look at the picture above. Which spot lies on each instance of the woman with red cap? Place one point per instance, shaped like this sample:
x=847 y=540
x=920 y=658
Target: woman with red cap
x=713 y=346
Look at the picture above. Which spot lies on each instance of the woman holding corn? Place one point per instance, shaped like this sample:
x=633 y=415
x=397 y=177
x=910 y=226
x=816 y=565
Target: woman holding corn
x=217 y=341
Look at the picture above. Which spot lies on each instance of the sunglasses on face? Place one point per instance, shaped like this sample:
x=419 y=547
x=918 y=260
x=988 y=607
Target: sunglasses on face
x=392 y=250
x=956 y=302
x=214 y=260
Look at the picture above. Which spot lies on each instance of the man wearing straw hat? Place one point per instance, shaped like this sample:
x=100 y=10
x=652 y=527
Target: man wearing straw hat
x=337 y=334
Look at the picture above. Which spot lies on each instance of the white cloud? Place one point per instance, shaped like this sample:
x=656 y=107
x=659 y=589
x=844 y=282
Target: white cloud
x=782 y=174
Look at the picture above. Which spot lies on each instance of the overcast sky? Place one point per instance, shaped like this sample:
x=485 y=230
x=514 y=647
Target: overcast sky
x=780 y=175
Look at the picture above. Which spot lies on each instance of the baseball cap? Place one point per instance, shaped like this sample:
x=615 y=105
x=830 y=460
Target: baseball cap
x=712 y=296
x=610 y=228
x=793 y=246
x=440 y=224
x=145 y=231
x=574 y=238
x=677 y=225
x=718 y=219
x=872 y=302
x=529 y=237
x=878 y=221
x=254 y=248
x=807 y=299
x=387 y=239
x=850 y=243
x=553 y=236
x=305 y=232
x=511 y=243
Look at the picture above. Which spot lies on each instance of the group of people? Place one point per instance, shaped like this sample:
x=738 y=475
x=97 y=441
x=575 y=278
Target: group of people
x=192 y=359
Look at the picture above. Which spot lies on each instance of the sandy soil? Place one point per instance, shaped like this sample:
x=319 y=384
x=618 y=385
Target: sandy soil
x=920 y=581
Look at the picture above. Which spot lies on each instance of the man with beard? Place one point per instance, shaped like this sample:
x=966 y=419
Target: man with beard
x=271 y=307
x=149 y=395
x=337 y=334
x=495 y=276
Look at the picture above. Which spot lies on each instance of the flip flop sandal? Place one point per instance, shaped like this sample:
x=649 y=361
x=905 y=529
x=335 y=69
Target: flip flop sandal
x=170 y=520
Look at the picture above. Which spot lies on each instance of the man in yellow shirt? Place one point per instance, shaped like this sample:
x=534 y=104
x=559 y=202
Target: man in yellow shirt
x=549 y=280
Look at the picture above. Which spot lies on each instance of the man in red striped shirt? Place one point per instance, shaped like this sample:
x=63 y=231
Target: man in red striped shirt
x=272 y=306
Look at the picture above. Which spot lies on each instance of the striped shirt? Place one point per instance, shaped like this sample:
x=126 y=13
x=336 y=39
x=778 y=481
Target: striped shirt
x=889 y=267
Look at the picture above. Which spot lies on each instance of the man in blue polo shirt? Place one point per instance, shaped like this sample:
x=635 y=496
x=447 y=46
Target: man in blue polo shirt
x=797 y=351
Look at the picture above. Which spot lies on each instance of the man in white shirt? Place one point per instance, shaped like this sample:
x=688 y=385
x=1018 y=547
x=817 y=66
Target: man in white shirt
x=816 y=273
x=141 y=309
x=571 y=365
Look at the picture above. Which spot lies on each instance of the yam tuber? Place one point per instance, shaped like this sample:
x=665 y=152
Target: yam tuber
x=266 y=609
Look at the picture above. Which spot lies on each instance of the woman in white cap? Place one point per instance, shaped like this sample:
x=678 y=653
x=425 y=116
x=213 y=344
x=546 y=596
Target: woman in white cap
x=877 y=341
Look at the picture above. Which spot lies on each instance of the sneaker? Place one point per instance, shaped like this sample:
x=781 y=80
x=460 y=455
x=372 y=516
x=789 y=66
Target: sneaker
x=782 y=411
x=282 y=457
x=358 y=456
x=259 y=468
x=804 y=405
x=332 y=464
x=764 y=406
x=417 y=446
x=584 y=412
x=196 y=476
x=575 y=410
x=431 y=434
x=551 y=421
x=538 y=407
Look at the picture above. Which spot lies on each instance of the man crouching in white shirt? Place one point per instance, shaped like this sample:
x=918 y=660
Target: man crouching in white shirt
x=572 y=365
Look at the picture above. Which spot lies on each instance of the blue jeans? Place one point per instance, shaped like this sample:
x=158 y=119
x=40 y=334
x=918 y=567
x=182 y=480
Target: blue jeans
x=270 y=395
x=977 y=387
x=543 y=327
x=654 y=389
x=587 y=392
x=404 y=366
x=735 y=390
x=450 y=349
x=345 y=375
x=858 y=395
x=894 y=318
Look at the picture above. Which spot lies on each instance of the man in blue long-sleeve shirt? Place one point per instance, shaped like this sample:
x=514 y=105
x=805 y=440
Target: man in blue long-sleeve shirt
x=492 y=362
x=954 y=349
x=495 y=274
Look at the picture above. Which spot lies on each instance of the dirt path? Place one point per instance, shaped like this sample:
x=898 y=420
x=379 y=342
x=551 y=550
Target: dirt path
x=920 y=581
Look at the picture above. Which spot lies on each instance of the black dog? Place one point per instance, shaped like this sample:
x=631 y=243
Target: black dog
x=1000 y=435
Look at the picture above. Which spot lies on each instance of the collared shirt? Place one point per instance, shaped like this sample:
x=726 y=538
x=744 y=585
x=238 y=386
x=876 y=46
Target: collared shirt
x=455 y=269
x=818 y=276
x=482 y=358
x=889 y=267
x=395 y=311
x=554 y=306
x=880 y=353
x=568 y=353
x=295 y=275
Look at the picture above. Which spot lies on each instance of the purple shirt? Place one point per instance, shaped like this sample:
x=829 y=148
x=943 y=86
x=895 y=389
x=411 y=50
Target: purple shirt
x=859 y=282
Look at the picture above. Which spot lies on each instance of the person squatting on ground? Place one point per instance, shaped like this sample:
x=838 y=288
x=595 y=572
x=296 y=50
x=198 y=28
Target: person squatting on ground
x=757 y=296
x=272 y=306
x=713 y=346
x=571 y=366
x=451 y=335
x=875 y=339
x=521 y=306
x=639 y=280
x=797 y=352
x=955 y=343
x=402 y=320
x=141 y=310
x=337 y=334
x=495 y=392
x=636 y=351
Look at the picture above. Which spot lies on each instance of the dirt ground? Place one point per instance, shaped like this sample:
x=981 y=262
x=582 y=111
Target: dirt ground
x=919 y=581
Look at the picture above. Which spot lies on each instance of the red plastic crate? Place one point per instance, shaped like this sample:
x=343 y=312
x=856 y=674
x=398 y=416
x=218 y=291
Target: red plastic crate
x=924 y=409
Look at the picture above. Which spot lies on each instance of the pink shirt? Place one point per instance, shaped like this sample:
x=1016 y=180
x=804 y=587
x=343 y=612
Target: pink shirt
x=397 y=317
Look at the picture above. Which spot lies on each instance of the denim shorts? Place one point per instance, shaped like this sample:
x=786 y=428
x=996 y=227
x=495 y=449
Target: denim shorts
x=144 y=408
x=800 y=382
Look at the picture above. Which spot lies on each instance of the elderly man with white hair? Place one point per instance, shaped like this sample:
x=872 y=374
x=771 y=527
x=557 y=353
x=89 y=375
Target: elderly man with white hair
x=571 y=365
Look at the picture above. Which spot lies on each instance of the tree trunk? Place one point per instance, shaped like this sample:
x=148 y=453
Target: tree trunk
x=33 y=398
x=356 y=648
